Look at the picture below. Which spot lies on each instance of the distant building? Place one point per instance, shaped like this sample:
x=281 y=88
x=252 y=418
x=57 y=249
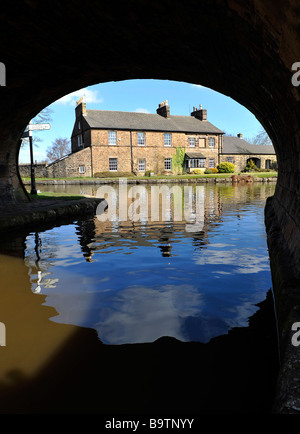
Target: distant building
x=238 y=151
x=116 y=141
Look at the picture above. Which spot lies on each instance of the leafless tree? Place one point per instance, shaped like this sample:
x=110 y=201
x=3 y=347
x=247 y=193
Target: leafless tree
x=261 y=138
x=60 y=147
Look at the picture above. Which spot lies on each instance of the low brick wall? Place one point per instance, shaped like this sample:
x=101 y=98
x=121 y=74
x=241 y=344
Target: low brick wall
x=69 y=166
x=40 y=170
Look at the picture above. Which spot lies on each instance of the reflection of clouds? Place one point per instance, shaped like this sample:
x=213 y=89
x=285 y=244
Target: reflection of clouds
x=143 y=314
x=241 y=314
x=243 y=261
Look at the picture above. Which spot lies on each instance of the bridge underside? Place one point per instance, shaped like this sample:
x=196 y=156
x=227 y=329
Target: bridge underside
x=242 y=49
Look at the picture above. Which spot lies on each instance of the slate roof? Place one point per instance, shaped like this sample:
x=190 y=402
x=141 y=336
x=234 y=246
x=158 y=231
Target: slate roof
x=235 y=145
x=104 y=119
x=194 y=155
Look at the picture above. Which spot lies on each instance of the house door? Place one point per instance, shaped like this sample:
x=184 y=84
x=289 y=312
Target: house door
x=268 y=164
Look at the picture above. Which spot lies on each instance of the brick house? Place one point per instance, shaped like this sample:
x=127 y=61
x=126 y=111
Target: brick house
x=115 y=141
x=137 y=142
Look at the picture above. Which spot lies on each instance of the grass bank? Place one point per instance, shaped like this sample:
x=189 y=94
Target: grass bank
x=185 y=176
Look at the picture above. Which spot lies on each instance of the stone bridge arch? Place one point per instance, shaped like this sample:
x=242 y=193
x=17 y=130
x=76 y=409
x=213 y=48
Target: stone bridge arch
x=242 y=49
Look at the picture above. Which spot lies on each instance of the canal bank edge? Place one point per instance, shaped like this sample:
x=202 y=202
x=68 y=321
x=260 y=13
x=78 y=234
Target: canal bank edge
x=44 y=212
x=143 y=181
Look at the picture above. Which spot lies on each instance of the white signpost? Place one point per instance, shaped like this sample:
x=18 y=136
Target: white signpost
x=34 y=127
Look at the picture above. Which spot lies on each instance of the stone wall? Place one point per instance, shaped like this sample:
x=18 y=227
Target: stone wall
x=96 y=159
x=40 y=170
x=128 y=152
x=240 y=161
x=73 y=165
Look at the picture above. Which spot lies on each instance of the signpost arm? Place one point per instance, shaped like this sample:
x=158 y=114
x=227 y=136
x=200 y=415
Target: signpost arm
x=33 y=187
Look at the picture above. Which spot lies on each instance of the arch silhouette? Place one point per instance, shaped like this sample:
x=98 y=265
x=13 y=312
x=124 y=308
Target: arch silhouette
x=245 y=50
x=233 y=49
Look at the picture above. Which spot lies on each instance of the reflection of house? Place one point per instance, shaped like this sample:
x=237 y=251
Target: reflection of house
x=238 y=151
x=115 y=141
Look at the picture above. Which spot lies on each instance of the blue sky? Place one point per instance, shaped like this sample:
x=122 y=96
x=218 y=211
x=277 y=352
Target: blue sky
x=145 y=95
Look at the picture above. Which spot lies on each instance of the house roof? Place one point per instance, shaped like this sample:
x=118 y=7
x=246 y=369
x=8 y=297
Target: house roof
x=104 y=119
x=235 y=145
x=194 y=155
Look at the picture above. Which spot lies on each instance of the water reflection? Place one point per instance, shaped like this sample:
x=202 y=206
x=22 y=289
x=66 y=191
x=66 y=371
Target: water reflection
x=136 y=279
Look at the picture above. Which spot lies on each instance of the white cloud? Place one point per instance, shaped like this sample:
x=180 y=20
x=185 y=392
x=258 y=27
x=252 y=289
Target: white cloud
x=90 y=96
x=141 y=110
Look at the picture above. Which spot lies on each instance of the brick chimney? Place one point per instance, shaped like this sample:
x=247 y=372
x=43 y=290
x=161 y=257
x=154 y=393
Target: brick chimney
x=163 y=109
x=199 y=113
x=240 y=136
x=80 y=108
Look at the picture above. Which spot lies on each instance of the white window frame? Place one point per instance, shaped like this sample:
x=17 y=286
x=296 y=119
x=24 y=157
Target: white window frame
x=142 y=165
x=196 y=163
x=141 y=139
x=192 y=142
x=230 y=160
x=112 y=163
x=167 y=139
x=211 y=142
x=112 y=138
x=81 y=169
x=80 y=144
x=168 y=163
x=211 y=163
x=202 y=162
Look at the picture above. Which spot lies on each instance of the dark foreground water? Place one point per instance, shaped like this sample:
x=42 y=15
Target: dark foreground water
x=190 y=269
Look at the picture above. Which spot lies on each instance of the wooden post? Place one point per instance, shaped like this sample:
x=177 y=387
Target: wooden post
x=33 y=187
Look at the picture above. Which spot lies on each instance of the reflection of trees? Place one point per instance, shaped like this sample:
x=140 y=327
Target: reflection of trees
x=40 y=248
x=85 y=230
x=200 y=240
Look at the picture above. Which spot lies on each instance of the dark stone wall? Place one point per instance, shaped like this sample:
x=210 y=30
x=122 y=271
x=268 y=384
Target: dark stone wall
x=242 y=49
x=40 y=170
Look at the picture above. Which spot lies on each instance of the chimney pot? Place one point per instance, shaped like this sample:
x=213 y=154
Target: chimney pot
x=80 y=108
x=200 y=113
x=163 y=109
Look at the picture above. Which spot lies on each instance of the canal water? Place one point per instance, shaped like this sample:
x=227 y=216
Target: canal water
x=186 y=276
x=162 y=263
